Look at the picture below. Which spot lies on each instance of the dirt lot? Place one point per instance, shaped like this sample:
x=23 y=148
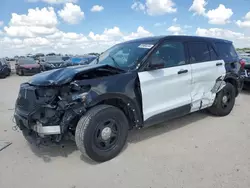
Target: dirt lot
x=194 y=151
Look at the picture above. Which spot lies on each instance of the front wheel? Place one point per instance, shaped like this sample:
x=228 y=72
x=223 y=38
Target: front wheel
x=102 y=133
x=224 y=101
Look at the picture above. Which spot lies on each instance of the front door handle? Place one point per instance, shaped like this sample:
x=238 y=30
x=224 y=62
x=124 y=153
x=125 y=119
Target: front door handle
x=182 y=71
x=219 y=64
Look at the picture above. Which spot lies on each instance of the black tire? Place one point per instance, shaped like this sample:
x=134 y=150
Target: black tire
x=221 y=108
x=87 y=132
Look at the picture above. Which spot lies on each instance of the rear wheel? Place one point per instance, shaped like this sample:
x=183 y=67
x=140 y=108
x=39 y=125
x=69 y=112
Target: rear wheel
x=224 y=101
x=102 y=133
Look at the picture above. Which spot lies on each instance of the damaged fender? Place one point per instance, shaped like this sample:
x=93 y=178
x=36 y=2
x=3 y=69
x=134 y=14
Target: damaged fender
x=219 y=85
x=52 y=102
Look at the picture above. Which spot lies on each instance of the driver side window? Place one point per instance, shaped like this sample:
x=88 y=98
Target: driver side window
x=169 y=54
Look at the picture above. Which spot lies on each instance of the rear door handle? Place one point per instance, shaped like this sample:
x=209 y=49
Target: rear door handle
x=182 y=71
x=219 y=64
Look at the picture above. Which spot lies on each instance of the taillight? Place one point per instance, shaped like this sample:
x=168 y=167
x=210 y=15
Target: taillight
x=242 y=63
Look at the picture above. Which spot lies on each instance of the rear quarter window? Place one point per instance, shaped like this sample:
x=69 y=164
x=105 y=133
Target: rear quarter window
x=226 y=50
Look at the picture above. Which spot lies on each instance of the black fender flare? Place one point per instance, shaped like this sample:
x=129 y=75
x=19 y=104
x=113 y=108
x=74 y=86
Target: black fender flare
x=235 y=80
x=130 y=104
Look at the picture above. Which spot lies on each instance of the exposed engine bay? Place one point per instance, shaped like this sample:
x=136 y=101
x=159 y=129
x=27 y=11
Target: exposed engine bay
x=57 y=108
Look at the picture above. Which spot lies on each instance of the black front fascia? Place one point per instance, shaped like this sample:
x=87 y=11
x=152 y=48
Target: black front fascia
x=124 y=86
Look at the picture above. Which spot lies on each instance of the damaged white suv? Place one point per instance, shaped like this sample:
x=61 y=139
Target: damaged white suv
x=134 y=84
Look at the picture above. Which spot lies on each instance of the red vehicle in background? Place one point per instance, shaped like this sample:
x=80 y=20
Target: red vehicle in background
x=27 y=66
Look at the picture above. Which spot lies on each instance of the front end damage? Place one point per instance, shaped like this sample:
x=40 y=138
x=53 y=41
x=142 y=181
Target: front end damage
x=50 y=112
x=50 y=105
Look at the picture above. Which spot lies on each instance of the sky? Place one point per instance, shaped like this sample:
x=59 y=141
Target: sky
x=83 y=26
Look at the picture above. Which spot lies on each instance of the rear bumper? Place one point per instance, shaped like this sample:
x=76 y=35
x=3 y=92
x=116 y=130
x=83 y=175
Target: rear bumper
x=246 y=76
x=247 y=79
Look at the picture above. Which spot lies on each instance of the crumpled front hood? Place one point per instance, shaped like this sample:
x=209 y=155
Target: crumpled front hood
x=63 y=76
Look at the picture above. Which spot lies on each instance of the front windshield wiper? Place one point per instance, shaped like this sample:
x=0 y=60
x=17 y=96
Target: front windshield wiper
x=113 y=59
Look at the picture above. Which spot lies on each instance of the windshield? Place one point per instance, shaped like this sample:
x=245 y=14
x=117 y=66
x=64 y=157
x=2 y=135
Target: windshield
x=26 y=61
x=125 y=55
x=53 y=58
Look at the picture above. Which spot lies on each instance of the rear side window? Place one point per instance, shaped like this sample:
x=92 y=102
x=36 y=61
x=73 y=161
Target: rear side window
x=199 y=52
x=226 y=50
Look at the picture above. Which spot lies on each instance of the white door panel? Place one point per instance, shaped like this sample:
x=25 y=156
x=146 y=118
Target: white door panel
x=204 y=77
x=165 y=89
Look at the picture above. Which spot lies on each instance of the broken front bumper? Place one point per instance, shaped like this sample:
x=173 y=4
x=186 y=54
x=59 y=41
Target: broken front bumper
x=27 y=105
x=23 y=122
x=44 y=113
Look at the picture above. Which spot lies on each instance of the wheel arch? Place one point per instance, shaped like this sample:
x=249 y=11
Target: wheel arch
x=233 y=80
x=124 y=103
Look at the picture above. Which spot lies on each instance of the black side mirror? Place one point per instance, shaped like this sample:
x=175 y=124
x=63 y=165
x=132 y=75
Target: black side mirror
x=154 y=65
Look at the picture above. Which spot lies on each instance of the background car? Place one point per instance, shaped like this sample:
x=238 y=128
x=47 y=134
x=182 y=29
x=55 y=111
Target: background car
x=52 y=62
x=66 y=58
x=27 y=66
x=80 y=60
x=5 y=68
x=246 y=72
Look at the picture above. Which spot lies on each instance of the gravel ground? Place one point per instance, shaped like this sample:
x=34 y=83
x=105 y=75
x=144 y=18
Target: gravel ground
x=198 y=150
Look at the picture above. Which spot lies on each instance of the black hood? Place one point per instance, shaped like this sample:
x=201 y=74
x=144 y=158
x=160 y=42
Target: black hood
x=65 y=75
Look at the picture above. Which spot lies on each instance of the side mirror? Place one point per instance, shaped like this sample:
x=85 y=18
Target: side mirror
x=154 y=65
